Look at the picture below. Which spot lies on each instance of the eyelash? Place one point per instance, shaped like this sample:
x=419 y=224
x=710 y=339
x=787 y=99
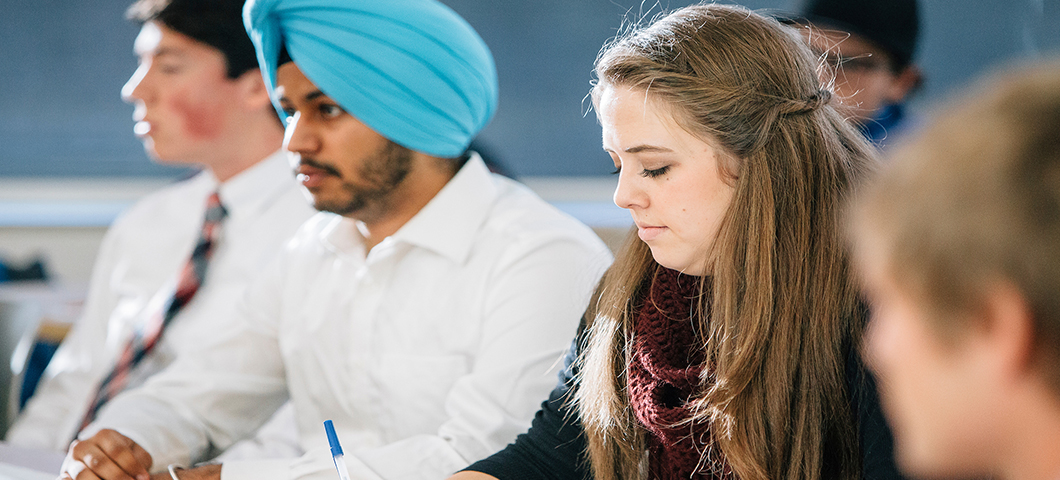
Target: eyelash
x=658 y=172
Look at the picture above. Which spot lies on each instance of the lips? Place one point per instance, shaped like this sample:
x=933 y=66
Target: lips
x=142 y=128
x=649 y=233
x=312 y=174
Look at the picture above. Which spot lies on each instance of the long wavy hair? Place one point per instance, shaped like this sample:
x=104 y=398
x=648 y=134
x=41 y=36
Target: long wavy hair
x=781 y=309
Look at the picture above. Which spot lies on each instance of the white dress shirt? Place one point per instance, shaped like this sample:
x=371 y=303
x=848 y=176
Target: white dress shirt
x=138 y=263
x=429 y=351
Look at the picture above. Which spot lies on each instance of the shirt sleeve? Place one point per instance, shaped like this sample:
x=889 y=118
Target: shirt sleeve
x=205 y=402
x=278 y=438
x=553 y=448
x=52 y=415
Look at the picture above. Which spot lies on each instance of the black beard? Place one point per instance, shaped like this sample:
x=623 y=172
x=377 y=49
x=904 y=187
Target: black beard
x=380 y=176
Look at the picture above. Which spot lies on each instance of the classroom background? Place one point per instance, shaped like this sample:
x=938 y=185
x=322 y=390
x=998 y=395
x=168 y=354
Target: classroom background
x=69 y=162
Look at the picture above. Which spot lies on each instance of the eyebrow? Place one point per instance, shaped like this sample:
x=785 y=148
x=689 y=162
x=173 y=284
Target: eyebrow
x=167 y=51
x=645 y=148
x=309 y=97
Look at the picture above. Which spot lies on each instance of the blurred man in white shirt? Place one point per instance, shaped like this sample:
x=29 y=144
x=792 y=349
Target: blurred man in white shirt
x=199 y=101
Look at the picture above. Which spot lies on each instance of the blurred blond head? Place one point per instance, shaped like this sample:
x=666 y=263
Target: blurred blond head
x=958 y=243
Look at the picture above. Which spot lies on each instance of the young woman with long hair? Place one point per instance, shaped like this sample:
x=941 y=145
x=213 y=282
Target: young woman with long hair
x=722 y=343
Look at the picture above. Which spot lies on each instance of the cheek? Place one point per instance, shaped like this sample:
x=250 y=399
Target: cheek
x=703 y=212
x=359 y=153
x=201 y=116
x=893 y=352
x=693 y=212
x=922 y=405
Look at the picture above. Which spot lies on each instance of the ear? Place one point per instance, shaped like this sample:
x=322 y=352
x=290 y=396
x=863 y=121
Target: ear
x=252 y=90
x=1007 y=331
x=904 y=83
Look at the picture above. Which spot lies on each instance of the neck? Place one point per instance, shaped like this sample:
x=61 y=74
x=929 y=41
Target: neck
x=252 y=141
x=427 y=177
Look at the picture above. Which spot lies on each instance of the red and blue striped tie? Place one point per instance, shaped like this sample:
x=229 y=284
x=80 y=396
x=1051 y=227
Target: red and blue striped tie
x=147 y=337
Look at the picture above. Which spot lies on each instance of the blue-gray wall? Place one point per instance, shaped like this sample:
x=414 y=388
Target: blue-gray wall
x=63 y=62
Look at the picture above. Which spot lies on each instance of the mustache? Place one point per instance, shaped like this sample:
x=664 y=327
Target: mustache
x=319 y=165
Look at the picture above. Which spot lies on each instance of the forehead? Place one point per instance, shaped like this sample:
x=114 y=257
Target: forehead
x=148 y=39
x=632 y=115
x=622 y=105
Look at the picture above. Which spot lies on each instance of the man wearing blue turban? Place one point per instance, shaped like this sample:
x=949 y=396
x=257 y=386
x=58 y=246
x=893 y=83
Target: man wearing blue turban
x=421 y=310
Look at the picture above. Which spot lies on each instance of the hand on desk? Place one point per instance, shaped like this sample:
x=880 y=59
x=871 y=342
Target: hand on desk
x=109 y=455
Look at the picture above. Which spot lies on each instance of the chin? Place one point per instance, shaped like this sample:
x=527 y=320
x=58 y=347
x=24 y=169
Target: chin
x=681 y=265
x=162 y=156
x=151 y=151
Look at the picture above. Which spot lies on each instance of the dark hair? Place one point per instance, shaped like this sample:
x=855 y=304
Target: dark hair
x=217 y=23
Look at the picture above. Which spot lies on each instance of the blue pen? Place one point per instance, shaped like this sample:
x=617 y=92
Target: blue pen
x=336 y=450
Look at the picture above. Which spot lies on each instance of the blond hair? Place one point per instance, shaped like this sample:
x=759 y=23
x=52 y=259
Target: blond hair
x=782 y=305
x=974 y=199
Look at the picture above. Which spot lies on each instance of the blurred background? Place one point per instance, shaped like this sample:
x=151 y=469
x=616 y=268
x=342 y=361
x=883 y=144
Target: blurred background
x=63 y=62
x=69 y=161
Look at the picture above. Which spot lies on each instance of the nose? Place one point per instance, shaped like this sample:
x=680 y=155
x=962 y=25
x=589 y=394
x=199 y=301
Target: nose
x=132 y=90
x=298 y=137
x=628 y=193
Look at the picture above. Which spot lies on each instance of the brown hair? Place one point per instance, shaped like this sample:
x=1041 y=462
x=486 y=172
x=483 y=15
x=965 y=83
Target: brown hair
x=782 y=307
x=973 y=200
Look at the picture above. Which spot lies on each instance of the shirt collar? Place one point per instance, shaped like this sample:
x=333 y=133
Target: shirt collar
x=448 y=223
x=254 y=189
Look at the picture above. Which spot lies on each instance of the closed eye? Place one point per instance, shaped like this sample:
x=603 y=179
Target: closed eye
x=658 y=172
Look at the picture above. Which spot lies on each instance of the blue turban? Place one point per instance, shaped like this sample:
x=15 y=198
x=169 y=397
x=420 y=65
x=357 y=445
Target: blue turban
x=412 y=70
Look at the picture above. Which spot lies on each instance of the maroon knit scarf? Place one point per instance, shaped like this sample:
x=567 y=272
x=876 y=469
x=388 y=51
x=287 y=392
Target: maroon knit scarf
x=663 y=374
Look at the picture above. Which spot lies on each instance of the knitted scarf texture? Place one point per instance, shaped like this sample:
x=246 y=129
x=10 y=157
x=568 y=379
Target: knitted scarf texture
x=667 y=358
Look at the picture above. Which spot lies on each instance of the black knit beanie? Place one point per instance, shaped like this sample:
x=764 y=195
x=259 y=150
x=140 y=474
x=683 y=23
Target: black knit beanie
x=894 y=25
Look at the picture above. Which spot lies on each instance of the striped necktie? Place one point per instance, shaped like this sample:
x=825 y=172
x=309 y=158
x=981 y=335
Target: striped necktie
x=146 y=337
